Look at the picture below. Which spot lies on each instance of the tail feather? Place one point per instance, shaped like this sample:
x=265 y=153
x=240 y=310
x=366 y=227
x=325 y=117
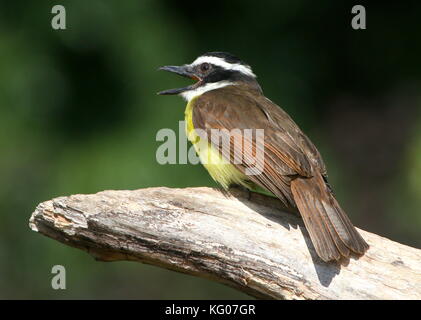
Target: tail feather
x=330 y=229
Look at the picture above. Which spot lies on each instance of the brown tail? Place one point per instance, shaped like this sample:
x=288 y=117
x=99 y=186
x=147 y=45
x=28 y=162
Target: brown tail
x=330 y=229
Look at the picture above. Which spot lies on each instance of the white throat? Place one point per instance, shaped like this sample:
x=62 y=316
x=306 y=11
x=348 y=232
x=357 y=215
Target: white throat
x=190 y=94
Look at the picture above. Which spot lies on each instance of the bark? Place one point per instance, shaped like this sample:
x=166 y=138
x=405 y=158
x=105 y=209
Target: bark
x=250 y=244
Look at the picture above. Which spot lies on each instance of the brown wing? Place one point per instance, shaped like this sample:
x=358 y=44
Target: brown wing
x=293 y=169
x=285 y=153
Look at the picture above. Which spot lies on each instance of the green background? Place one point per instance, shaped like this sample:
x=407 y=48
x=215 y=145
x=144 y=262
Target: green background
x=79 y=114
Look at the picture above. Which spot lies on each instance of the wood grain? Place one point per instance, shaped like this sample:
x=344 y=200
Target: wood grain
x=249 y=244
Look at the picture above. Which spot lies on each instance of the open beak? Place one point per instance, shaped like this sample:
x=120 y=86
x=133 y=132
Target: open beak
x=185 y=71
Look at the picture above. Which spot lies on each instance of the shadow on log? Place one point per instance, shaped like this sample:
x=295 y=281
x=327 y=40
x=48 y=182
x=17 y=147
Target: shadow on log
x=249 y=244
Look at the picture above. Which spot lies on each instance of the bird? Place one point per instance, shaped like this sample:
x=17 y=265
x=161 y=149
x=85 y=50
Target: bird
x=225 y=98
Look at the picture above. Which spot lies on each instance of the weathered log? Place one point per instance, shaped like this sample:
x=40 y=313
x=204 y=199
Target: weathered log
x=250 y=244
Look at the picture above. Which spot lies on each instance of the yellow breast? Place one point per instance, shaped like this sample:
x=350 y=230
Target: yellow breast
x=222 y=172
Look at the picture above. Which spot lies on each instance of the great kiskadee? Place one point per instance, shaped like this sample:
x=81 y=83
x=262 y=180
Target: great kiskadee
x=226 y=96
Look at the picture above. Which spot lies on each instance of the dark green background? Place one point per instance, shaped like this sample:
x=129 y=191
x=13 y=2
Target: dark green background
x=79 y=114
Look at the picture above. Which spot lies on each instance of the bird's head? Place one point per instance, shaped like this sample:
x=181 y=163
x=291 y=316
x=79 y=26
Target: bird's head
x=211 y=71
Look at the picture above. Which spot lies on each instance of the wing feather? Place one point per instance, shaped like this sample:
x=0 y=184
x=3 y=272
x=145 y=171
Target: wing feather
x=234 y=108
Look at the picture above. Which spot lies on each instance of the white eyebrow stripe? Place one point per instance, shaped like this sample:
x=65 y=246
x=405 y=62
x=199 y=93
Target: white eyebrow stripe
x=222 y=63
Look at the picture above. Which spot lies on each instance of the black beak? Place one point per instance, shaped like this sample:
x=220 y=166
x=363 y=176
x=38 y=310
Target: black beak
x=185 y=71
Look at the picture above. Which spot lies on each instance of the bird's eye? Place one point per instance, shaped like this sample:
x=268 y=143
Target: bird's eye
x=204 y=67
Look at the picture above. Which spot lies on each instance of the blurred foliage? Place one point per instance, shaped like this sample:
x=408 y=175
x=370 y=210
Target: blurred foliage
x=79 y=114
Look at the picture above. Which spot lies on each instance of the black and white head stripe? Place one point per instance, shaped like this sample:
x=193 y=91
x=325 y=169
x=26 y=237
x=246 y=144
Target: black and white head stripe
x=212 y=70
x=226 y=61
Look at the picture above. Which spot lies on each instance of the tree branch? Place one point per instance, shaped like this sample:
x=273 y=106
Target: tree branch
x=252 y=245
